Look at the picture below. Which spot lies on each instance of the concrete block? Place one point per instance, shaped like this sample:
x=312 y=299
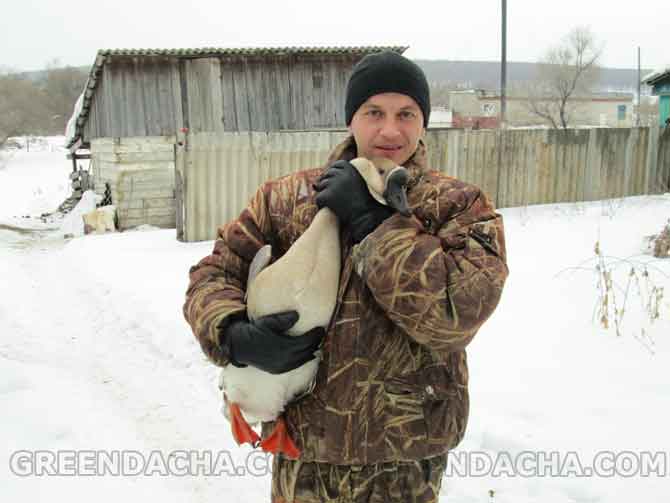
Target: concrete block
x=160 y=212
x=167 y=222
x=134 y=144
x=146 y=180
x=142 y=157
x=127 y=213
x=148 y=194
x=132 y=204
x=160 y=203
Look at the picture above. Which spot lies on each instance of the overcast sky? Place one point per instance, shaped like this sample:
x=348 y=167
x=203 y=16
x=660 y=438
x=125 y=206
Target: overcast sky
x=34 y=32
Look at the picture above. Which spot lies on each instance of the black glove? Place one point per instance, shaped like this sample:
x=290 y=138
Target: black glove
x=263 y=343
x=342 y=189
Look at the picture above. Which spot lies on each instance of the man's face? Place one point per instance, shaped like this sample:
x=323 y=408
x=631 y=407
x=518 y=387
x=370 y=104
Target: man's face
x=387 y=125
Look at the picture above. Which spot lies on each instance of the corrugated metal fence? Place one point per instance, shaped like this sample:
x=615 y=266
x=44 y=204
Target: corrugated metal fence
x=218 y=172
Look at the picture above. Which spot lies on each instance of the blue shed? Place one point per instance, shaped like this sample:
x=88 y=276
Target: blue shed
x=660 y=82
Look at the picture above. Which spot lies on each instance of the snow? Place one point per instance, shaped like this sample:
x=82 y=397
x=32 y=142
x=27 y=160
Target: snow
x=35 y=182
x=96 y=355
x=73 y=223
x=656 y=73
x=71 y=126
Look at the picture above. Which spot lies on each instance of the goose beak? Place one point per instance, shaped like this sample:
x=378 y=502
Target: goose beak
x=396 y=197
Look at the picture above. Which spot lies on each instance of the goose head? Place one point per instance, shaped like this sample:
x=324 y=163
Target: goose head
x=386 y=181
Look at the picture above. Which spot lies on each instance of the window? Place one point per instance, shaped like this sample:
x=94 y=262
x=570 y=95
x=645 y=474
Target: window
x=488 y=109
x=621 y=112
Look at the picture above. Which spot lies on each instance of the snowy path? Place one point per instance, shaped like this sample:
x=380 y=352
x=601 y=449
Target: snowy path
x=99 y=362
x=95 y=355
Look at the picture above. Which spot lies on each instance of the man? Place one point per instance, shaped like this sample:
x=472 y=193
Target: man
x=391 y=394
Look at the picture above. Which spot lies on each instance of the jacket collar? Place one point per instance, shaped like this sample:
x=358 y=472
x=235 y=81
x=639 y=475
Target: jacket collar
x=416 y=165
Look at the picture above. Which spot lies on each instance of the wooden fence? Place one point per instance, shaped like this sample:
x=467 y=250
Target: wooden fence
x=520 y=167
x=218 y=172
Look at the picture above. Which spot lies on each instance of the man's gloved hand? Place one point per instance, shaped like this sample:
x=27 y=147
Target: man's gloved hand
x=342 y=189
x=264 y=344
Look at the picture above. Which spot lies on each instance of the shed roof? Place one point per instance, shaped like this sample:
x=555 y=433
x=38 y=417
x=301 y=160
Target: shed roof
x=80 y=114
x=656 y=76
x=249 y=51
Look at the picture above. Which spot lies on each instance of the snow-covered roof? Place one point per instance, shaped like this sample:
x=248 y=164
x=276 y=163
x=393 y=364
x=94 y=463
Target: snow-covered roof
x=71 y=127
x=656 y=75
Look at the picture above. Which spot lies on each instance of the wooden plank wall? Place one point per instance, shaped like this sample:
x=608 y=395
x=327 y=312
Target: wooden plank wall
x=661 y=182
x=136 y=97
x=157 y=96
x=521 y=167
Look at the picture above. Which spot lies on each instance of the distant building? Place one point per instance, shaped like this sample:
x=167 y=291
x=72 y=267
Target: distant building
x=660 y=82
x=479 y=109
x=440 y=117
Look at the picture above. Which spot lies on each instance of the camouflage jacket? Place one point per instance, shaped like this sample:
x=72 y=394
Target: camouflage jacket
x=393 y=381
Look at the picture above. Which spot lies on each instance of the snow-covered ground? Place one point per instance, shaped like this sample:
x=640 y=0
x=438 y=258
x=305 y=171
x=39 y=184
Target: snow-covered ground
x=95 y=356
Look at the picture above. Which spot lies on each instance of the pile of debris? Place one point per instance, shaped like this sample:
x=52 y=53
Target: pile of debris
x=85 y=211
x=80 y=183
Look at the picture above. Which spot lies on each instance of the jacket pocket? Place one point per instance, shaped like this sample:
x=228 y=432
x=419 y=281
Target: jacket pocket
x=404 y=423
x=428 y=394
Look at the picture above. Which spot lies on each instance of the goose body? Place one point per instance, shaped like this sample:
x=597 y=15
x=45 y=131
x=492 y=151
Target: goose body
x=305 y=279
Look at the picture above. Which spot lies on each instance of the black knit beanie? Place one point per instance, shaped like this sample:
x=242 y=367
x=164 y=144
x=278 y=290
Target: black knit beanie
x=386 y=72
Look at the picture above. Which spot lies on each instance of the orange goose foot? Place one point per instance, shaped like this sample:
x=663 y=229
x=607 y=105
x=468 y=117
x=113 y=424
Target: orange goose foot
x=242 y=432
x=280 y=441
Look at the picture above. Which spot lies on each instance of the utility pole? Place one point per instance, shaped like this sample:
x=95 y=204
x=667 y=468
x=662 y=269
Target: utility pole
x=639 y=88
x=503 y=67
x=503 y=99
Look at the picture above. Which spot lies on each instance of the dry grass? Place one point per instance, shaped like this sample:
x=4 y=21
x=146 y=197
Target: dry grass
x=660 y=243
x=614 y=299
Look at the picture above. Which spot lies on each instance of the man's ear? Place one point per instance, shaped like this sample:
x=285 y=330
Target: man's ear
x=421 y=137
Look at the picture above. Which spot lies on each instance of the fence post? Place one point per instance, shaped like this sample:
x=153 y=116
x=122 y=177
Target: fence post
x=499 y=146
x=652 y=159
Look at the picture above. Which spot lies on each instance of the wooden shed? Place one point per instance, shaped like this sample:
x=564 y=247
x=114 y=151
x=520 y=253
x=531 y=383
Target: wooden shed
x=137 y=101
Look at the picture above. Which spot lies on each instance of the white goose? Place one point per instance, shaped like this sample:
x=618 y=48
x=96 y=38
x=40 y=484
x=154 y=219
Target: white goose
x=305 y=279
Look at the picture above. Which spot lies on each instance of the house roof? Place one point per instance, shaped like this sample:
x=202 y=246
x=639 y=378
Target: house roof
x=656 y=76
x=80 y=115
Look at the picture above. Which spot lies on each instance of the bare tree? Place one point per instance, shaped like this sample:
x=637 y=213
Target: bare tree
x=566 y=70
x=22 y=106
x=38 y=105
x=63 y=86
